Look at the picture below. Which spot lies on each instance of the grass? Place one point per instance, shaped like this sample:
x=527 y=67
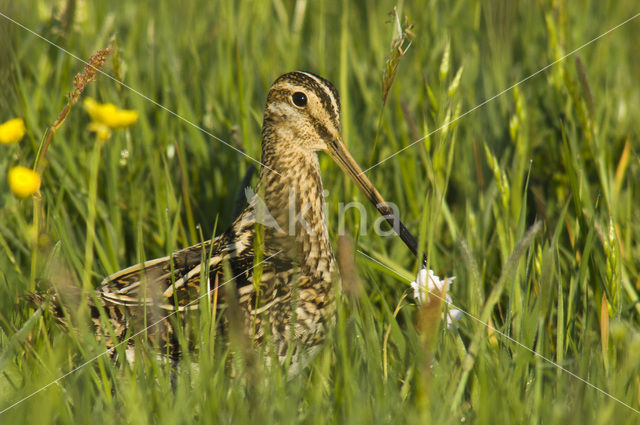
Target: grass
x=528 y=200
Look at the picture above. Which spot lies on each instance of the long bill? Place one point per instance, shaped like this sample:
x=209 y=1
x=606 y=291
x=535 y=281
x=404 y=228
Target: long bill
x=343 y=158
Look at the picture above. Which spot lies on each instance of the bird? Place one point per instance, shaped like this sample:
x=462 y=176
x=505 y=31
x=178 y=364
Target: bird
x=288 y=297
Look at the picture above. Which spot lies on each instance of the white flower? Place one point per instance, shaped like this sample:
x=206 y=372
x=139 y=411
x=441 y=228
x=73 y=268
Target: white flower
x=428 y=283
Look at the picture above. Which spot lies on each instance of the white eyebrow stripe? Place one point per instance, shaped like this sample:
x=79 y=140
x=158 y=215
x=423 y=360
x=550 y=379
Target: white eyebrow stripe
x=321 y=83
x=312 y=77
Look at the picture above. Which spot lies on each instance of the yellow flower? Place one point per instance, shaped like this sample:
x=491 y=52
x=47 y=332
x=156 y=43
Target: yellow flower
x=102 y=131
x=12 y=131
x=109 y=114
x=23 y=181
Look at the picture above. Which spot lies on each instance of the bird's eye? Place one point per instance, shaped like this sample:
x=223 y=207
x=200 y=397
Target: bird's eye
x=299 y=99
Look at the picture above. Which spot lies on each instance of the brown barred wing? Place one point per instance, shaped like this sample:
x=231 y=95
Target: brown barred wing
x=167 y=282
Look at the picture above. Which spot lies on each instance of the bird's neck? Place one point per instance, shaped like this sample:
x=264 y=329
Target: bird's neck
x=291 y=188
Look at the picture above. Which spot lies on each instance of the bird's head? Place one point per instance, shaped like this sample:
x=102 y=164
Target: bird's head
x=303 y=114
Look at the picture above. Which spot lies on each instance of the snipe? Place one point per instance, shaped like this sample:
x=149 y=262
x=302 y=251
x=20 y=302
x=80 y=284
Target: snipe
x=290 y=300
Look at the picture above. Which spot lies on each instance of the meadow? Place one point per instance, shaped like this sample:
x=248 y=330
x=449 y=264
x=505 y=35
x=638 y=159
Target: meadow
x=507 y=134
